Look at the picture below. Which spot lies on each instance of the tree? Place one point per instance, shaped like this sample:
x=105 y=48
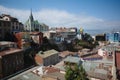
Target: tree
x=76 y=73
x=88 y=38
x=29 y=55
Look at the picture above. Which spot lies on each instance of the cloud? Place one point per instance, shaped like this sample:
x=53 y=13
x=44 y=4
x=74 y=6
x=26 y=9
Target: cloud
x=59 y=18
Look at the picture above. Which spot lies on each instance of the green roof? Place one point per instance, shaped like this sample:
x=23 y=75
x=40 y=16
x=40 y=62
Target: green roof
x=36 y=22
x=47 y=53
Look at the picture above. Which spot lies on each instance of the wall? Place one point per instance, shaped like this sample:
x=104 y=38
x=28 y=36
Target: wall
x=117 y=59
x=12 y=63
x=51 y=60
x=38 y=60
x=0 y=67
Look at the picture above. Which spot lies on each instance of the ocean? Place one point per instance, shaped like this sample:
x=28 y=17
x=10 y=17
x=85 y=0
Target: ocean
x=95 y=32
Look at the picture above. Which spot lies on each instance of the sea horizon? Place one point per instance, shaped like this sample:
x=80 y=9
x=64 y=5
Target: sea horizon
x=94 y=32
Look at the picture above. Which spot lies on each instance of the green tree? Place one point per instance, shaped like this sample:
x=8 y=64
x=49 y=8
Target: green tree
x=75 y=73
x=87 y=37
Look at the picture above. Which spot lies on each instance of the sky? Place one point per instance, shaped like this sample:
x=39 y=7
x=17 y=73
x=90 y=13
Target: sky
x=89 y=14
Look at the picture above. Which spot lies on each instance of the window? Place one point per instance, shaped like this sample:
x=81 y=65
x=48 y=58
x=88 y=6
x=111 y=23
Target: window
x=8 y=23
x=16 y=27
x=12 y=27
x=0 y=24
x=6 y=19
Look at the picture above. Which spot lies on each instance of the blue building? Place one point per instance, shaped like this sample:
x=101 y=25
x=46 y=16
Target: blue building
x=113 y=37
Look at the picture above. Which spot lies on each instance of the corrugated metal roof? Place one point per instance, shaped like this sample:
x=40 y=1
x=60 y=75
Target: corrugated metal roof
x=28 y=76
x=101 y=71
x=72 y=59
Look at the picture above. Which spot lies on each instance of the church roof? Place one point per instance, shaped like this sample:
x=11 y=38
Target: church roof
x=36 y=22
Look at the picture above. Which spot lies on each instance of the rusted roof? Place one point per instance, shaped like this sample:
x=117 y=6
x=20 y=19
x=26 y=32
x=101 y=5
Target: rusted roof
x=51 y=69
x=67 y=53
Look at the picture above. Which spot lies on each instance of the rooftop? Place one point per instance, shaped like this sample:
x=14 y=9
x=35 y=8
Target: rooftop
x=5 y=43
x=60 y=65
x=66 y=53
x=51 y=69
x=63 y=29
x=27 y=75
x=47 y=53
x=10 y=51
x=72 y=59
x=40 y=73
x=99 y=73
x=90 y=65
x=56 y=76
x=94 y=57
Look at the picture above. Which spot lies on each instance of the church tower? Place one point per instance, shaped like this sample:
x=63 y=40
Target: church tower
x=29 y=25
x=31 y=21
x=31 y=16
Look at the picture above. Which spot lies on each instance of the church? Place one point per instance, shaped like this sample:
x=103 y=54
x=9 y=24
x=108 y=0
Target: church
x=33 y=25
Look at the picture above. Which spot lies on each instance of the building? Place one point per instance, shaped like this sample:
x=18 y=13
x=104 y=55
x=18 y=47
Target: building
x=109 y=50
x=64 y=54
x=52 y=73
x=11 y=59
x=113 y=37
x=106 y=67
x=72 y=60
x=33 y=25
x=100 y=37
x=29 y=39
x=28 y=75
x=100 y=69
x=23 y=40
x=61 y=34
x=40 y=73
x=80 y=33
x=46 y=34
x=37 y=37
x=69 y=60
x=117 y=63
x=47 y=58
x=9 y=24
x=43 y=27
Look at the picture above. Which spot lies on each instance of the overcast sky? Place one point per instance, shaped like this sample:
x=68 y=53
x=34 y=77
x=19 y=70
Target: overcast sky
x=89 y=14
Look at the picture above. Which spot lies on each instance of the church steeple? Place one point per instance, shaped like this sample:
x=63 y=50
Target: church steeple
x=31 y=16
